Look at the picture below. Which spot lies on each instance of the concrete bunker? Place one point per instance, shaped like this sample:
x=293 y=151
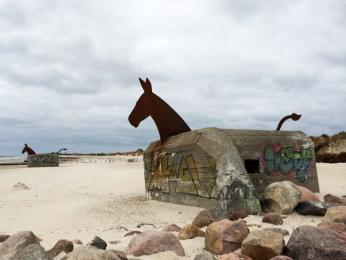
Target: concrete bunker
x=226 y=168
x=43 y=160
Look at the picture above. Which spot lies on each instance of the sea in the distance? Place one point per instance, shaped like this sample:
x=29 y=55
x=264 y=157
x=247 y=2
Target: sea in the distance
x=11 y=159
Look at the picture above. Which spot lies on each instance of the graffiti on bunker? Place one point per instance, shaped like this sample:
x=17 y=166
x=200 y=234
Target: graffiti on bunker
x=177 y=173
x=278 y=160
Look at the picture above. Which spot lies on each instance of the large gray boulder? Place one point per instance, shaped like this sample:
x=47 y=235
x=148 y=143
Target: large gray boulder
x=281 y=197
x=152 y=242
x=313 y=243
x=32 y=252
x=263 y=244
x=16 y=242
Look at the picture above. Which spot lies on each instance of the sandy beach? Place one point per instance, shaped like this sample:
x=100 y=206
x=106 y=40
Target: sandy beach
x=80 y=200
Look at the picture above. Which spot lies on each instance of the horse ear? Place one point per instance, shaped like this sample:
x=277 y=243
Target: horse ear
x=145 y=85
x=142 y=83
x=148 y=85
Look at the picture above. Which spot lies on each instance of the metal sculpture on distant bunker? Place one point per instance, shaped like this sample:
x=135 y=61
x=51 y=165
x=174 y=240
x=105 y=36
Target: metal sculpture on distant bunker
x=28 y=150
x=223 y=169
x=40 y=160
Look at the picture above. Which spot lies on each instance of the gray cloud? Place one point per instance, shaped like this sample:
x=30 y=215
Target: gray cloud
x=69 y=69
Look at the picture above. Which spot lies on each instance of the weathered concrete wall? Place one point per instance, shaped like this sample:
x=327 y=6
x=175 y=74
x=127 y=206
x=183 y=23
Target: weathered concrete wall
x=208 y=167
x=282 y=155
x=200 y=168
x=43 y=160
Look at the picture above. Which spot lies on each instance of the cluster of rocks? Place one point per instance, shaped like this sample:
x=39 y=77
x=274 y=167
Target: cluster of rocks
x=229 y=237
x=226 y=237
x=25 y=245
x=231 y=240
x=284 y=197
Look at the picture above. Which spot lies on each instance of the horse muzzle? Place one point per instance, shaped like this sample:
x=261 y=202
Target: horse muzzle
x=133 y=122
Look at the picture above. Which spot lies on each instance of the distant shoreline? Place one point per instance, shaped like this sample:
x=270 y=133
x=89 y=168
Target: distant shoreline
x=12 y=160
x=77 y=158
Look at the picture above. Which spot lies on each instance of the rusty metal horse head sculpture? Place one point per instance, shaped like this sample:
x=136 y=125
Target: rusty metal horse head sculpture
x=167 y=121
x=28 y=150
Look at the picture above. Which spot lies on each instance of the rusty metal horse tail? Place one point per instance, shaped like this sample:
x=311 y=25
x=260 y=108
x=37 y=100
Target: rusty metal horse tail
x=292 y=116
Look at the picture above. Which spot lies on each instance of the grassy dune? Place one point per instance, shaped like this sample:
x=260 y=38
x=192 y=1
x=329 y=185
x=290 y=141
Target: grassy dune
x=330 y=149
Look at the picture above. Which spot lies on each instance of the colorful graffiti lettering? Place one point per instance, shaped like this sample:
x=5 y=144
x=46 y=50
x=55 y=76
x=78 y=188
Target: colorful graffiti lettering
x=287 y=160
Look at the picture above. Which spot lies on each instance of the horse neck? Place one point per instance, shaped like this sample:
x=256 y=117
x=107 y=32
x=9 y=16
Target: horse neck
x=29 y=151
x=168 y=121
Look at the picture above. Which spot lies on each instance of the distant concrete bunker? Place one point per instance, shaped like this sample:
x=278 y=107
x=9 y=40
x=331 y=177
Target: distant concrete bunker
x=43 y=160
x=226 y=168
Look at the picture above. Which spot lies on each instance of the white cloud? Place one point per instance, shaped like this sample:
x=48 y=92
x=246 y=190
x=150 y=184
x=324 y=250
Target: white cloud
x=69 y=69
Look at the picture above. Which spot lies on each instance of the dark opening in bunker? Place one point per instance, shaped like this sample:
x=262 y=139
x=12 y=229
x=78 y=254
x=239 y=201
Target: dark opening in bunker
x=252 y=166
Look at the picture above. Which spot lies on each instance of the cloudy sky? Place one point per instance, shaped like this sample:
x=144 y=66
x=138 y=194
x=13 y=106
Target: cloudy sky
x=69 y=69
